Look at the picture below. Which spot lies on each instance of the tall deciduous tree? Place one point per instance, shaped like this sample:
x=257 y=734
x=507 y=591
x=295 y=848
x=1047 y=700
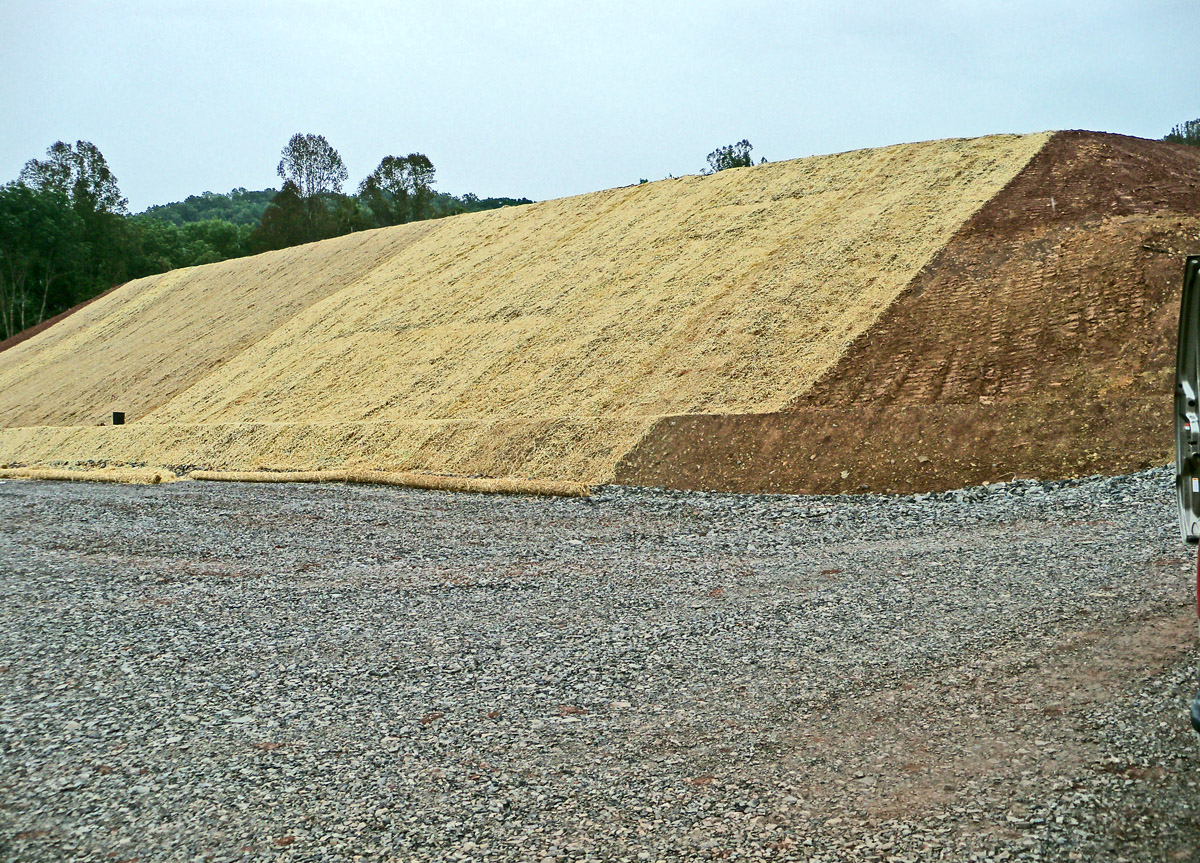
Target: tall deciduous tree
x=284 y=223
x=80 y=172
x=312 y=166
x=400 y=189
x=313 y=174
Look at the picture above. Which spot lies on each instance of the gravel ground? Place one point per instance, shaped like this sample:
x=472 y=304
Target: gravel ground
x=209 y=671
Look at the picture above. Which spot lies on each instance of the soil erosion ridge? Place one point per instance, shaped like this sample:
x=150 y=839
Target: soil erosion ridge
x=907 y=318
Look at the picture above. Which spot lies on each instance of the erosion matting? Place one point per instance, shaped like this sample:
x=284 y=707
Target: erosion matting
x=1039 y=342
x=908 y=318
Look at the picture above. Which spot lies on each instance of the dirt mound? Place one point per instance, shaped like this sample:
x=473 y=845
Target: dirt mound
x=909 y=318
x=541 y=342
x=1038 y=342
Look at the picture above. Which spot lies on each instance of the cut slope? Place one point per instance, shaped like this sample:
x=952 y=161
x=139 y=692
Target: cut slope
x=1039 y=342
x=541 y=342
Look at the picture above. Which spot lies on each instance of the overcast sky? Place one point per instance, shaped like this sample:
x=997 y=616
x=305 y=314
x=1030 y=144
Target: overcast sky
x=546 y=99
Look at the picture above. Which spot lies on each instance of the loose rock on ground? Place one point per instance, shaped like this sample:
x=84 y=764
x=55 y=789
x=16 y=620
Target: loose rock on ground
x=332 y=672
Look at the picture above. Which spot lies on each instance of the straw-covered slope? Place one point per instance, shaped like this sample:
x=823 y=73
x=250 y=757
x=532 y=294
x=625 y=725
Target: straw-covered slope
x=536 y=342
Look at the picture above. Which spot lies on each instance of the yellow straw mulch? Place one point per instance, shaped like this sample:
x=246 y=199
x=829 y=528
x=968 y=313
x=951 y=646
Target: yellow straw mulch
x=538 y=342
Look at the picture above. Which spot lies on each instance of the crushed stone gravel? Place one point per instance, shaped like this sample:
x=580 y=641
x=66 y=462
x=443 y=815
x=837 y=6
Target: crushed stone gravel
x=234 y=671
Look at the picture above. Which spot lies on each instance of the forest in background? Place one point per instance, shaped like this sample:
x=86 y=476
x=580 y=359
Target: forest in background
x=66 y=234
x=242 y=207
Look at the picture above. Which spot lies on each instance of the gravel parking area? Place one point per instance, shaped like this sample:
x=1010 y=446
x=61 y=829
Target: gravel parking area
x=211 y=671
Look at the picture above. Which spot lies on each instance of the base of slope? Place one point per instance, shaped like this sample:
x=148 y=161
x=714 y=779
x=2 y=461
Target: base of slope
x=148 y=476
x=563 y=450
x=474 y=485
x=909 y=449
x=132 y=476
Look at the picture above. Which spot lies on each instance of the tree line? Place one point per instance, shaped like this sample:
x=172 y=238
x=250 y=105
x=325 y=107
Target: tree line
x=1185 y=133
x=66 y=234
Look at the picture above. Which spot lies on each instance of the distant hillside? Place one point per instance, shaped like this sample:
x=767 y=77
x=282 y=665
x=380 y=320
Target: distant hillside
x=242 y=207
x=239 y=206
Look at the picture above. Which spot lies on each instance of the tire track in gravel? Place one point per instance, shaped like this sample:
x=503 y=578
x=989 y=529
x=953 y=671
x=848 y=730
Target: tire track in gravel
x=235 y=672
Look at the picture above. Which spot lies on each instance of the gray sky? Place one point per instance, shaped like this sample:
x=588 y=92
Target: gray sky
x=547 y=99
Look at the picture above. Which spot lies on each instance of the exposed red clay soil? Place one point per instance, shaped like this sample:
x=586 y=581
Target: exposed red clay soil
x=1039 y=342
x=30 y=332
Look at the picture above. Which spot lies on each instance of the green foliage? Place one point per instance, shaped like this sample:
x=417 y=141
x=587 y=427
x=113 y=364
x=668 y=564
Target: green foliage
x=81 y=173
x=292 y=219
x=399 y=190
x=108 y=236
x=42 y=255
x=310 y=206
x=1185 y=133
x=238 y=206
x=214 y=240
x=310 y=164
x=730 y=156
x=444 y=204
x=346 y=215
x=283 y=223
x=157 y=246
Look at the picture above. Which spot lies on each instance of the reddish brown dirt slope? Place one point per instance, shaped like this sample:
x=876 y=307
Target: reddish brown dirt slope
x=1039 y=342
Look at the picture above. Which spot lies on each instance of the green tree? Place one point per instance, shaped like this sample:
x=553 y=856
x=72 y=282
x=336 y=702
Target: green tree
x=158 y=245
x=399 y=190
x=213 y=240
x=155 y=247
x=313 y=174
x=81 y=173
x=730 y=156
x=284 y=223
x=238 y=206
x=312 y=166
x=42 y=253
x=421 y=173
x=1185 y=133
x=292 y=219
x=346 y=215
x=445 y=204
